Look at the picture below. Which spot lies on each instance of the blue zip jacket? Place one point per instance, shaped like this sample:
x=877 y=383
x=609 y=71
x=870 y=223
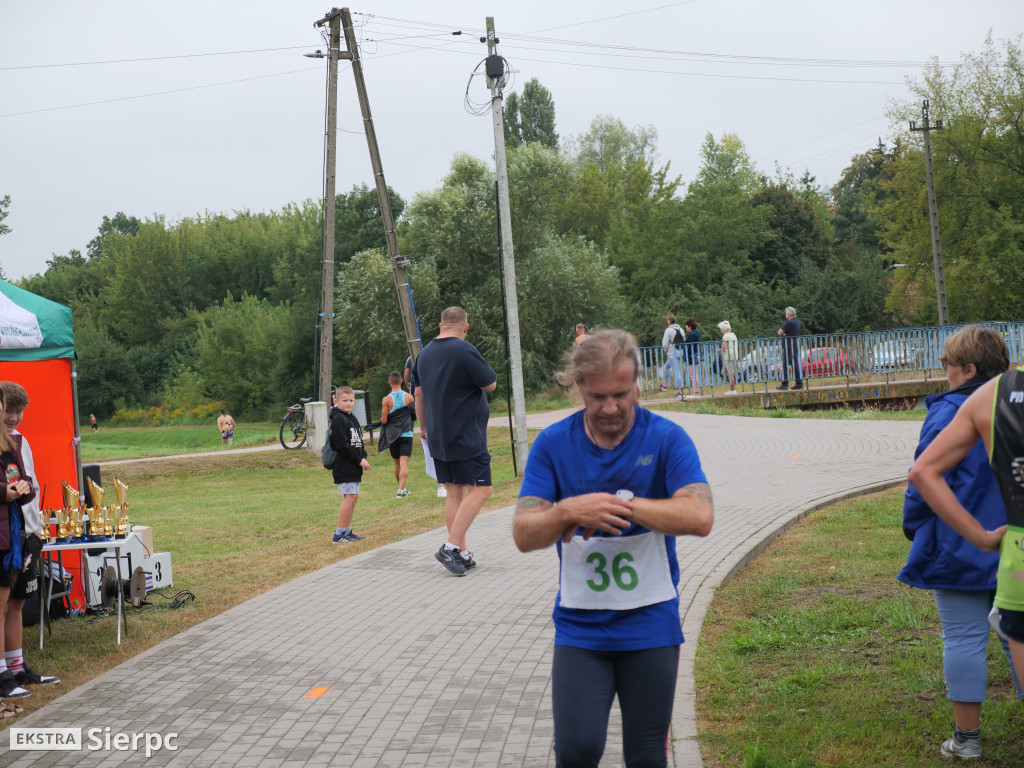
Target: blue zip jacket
x=939 y=557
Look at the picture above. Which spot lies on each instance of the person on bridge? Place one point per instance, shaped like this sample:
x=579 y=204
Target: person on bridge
x=612 y=486
x=962 y=577
x=790 y=333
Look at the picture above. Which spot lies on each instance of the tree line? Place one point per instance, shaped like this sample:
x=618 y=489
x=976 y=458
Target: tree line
x=224 y=307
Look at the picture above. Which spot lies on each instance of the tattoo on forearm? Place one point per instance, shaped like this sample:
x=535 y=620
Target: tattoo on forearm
x=701 y=490
x=531 y=502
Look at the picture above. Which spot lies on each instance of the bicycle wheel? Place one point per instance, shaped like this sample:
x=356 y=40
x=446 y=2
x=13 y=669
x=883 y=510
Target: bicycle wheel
x=293 y=430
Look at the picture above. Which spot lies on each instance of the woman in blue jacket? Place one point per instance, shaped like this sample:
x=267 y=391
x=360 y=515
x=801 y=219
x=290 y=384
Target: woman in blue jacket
x=961 y=576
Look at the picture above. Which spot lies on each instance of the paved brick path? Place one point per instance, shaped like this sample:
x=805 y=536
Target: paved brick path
x=423 y=669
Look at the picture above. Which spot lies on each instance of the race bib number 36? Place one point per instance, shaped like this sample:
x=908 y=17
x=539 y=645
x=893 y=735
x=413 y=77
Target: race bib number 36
x=615 y=573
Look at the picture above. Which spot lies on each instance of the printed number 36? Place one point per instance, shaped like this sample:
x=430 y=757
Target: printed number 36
x=625 y=577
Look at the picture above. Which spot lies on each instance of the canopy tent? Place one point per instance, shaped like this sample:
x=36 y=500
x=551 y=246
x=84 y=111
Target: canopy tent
x=37 y=351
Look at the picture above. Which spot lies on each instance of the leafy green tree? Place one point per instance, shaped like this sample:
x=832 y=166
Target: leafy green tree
x=238 y=353
x=121 y=224
x=452 y=234
x=369 y=335
x=858 y=195
x=609 y=142
x=510 y=121
x=456 y=228
x=358 y=222
x=618 y=198
x=5 y=205
x=107 y=378
x=530 y=118
x=979 y=181
x=797 y=238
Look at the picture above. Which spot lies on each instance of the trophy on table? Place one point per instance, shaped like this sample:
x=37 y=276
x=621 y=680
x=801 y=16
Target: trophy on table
x=121 y=489
x=97 y=518
x=66 y=518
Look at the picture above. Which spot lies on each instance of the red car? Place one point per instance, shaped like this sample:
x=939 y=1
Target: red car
x=820 y=361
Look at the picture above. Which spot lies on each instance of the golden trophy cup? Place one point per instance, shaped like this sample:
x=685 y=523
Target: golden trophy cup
x=121 y=489
x=109 y=520
x=96 y=516
x=71 y=513
x=63 y=523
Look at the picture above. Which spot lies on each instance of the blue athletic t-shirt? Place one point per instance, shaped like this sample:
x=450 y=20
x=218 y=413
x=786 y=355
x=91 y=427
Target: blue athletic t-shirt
x=655 y=460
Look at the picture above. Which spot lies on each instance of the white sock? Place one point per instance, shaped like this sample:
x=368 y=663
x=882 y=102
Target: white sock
x=14 y=660
x=449 y=546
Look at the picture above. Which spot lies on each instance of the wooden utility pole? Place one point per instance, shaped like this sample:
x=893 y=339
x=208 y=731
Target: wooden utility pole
x=495 y=68
x=327 y=257
x=933 y=213
x=398 y=263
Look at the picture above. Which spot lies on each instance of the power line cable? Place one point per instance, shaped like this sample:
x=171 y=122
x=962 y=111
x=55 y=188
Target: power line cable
x=686 y=74
x=820 y=138
x=151 y=58
x=156 y=93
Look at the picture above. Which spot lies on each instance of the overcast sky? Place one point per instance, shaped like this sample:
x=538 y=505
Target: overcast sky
x=175 y=109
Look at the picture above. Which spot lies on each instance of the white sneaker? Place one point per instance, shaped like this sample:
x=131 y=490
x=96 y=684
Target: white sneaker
x=442 y=492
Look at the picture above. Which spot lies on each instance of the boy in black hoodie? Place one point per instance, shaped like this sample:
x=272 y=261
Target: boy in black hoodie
x=347 y=440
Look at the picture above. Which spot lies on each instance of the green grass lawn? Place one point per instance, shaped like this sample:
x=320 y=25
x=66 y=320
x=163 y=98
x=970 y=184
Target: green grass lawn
x=816 y=656
x=136 y=442
x=237 y=525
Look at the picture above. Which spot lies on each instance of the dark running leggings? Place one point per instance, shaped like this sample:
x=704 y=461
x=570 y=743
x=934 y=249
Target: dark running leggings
x=583 y=686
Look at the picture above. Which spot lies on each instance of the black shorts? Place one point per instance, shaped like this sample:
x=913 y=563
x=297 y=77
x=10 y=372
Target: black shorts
x=476 y=471
x=27 y=582
x=401 y=447
x=1012 y=624
x=6 y=577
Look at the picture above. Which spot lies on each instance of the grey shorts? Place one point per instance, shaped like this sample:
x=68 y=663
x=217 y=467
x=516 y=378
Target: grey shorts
x=348 y=489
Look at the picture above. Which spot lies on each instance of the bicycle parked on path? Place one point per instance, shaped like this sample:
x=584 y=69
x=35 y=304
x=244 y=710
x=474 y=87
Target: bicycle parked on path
x=293 y=425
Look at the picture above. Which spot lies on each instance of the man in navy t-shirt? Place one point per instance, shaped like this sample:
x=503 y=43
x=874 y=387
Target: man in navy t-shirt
x=790 y=332
x=450 y=378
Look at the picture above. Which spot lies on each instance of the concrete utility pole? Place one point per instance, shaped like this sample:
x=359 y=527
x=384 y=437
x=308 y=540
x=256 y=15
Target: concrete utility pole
x=933 y=213
x=398 y=263
x=327 y=258
x=495 y=68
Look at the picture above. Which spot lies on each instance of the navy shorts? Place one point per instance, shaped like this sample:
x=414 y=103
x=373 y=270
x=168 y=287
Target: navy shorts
x=1012 y=624
x=401 y=447
x=475 y=471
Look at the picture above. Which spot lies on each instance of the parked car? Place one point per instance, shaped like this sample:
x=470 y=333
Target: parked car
x=887 y=355
x=818 y=361
x=758 y=364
